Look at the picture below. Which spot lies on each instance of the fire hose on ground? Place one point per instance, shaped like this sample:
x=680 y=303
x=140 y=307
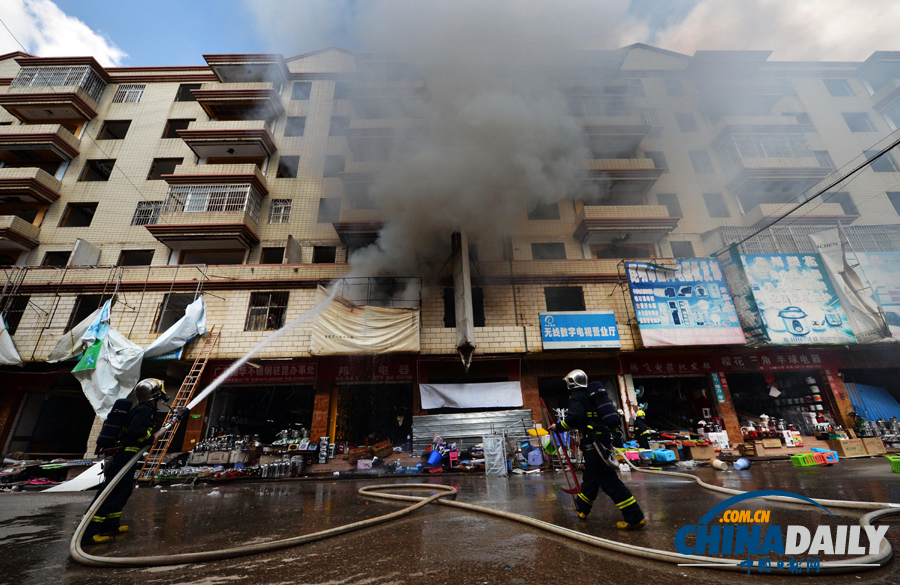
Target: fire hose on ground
x=879 y=511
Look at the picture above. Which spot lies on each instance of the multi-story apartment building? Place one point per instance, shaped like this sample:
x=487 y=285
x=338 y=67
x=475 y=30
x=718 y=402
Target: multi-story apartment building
x=245 y=181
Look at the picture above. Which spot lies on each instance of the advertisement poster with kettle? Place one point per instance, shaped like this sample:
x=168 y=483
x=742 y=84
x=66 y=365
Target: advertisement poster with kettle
x=795 y=299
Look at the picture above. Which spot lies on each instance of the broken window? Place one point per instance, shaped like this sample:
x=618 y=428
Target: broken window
x=477 y=307
x=78 y=215
x=266 y=311
x=56 y=259
x=545 y=211
x=173 y=126
x=280 y=211
x=564 y=298
x=172 y=309
x=184 y=92
x=701 y=162
x=146 y=212
x=288 y=166
x=883 y=164
x=858 y=122
x=13 y=312
x=659 y=159
x=135 y=258
x=329 y=210
x=301 y=90
x=620 y=251
x=716 y=205
x=324 y=254
x=838 y=87
x=272 y=256
x=84 y=306
x=114 y=130
x=295 y=126
x=843 y=198
x=670 y=200
x=682 y=249
x=97 y=170
x=163 y=166
x=551 y=251
x=212 y=257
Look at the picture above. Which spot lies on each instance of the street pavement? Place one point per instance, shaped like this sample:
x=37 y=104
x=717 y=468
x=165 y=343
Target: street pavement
x=435 y=545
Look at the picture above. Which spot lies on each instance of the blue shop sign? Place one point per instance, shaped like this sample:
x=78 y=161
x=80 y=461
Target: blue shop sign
x=579 y=330
x=717 y=386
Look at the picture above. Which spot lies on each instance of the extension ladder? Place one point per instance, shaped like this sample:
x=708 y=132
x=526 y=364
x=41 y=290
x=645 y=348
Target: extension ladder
x=182 y=398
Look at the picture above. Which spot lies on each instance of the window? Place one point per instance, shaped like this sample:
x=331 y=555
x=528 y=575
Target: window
x=287 y=167
x=342 y=90
x=301 y=90
x=163 y=166
x=56 y=258
x=858 y=122
x=295 y=126
x=884 y=164
x=824 y=159
x=548 y=251
x=337 y=125
x=272 y=256
x=84 y=306
x=184 y=92
x=894 y=198
x=545 y=211
x=682 y=249
x=173 y=126
x=334 y=165
x=266 y=312
x=838 y=87
x=686 y=122
x=146 y=212
x=802 y=118
x=135 y=258
x=450 y=307
x=702 y=164
x=674 y=87
x=97 y=170
x=637 y=87
x=621 y=250
x=129 y=94
x=78 y=215
x=324 y=254
x=15 y=308
x=212 y=257
x=658 y=158
x=845 y=201
x=114 y=130
x=172 y=309
x=564 y=298
x=280 y=211
x=670 y=200
x=329 y=210
x=715 y=204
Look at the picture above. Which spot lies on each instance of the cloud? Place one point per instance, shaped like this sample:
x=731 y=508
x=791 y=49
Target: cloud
x=47 y=31
x=815 y=30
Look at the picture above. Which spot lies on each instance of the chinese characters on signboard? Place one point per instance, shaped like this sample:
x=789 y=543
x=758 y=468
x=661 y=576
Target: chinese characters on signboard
x=579 y=329
x=270 y=373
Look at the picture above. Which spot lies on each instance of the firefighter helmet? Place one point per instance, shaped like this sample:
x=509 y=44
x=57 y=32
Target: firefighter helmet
x=150 y=389
x=640 y=413
x=576 y=379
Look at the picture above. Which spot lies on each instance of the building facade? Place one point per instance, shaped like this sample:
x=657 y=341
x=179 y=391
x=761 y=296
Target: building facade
x=245 y=180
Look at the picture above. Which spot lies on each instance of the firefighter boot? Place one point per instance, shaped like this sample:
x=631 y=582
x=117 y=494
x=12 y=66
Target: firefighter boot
x=582 y=505
x=114 y=531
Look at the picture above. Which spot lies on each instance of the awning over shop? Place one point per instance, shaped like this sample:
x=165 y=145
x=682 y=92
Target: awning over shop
x=872 y=402
x=486 y=395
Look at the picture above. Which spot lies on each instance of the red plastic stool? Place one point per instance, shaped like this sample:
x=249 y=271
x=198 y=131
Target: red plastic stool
x=820 y=458
x=831 y=457
x=454 y=459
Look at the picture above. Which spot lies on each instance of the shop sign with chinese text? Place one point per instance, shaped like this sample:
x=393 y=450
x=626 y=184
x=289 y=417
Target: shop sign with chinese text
x=686 y=304
x=579 y=330
x=280 y=372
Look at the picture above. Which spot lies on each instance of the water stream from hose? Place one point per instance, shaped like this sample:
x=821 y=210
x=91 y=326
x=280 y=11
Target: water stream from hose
x=233 y=367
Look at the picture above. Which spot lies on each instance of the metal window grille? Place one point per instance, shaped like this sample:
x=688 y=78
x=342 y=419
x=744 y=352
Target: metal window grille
x=129 y=93
x=146 y=212
x=13 y=312
x=765 y=146
x=381 y=291
x=266 y=311
x=650 y=116
x=280 y=211
x=209 y=198
x=80 y=76
x=795 y=240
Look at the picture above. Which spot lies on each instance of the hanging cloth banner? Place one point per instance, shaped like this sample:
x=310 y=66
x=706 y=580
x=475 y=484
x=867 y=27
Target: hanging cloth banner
x=486 y=395
x=9 y=355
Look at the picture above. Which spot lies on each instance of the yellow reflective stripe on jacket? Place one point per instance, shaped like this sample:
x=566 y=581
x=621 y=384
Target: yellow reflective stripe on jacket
x=132 y=449
x=563 y=424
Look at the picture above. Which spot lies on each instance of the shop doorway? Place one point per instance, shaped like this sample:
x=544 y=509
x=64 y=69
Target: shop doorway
x=364 y=414
x=676 y=403
x=797 y=398
x=57 y=422
x=261 y=410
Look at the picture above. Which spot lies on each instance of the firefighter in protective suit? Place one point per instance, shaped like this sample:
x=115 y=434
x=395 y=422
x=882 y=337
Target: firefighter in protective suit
x=641 y=432
x=136 y=434
x=595 y=416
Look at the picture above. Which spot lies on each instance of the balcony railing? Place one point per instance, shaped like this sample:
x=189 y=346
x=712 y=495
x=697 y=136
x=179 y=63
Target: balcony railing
x=744 y=146
x=596 y=106
x=79 y=76
x=213 y=198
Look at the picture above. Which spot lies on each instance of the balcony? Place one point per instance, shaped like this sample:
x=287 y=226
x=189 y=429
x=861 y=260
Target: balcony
x=57 y=89
x=240 y=101
x=249 y=68
x=622 y=177
x=233 y=139
x=754 y=97
x=18 y=234
x=218 y=174
x=28 y=185
x=636 y=224
x=824 y=214
x=44 y=146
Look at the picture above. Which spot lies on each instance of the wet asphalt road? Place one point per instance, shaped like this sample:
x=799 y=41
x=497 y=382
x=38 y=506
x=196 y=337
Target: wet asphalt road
x=435 y=545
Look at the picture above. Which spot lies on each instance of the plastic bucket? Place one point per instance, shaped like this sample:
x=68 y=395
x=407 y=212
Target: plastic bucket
x=435 y=458
x=741 y=464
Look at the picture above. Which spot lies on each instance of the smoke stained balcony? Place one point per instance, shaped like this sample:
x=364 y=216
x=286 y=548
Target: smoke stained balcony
x=622 y=177
x=635 y=224
x=219 y=142
x=45 y=146
x=249 y=68
x=240 y=101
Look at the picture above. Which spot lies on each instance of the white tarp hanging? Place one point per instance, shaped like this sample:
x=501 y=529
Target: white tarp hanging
x=856 y=298
x=9 y=356
x=344 y=328
x=89 y=479
x=185 y=329
x=484 y=395
x=69 y=345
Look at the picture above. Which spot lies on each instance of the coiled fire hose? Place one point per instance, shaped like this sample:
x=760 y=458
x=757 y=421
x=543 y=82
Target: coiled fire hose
x=440 y=492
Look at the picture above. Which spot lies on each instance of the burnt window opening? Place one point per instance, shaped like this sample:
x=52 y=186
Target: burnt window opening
x=670 y=200
x=682 y=249
x=450 y=307
x=324 y=254
x=97 y=170
x=701 y=162
x=659 y=160
x=564 y=298
x=883 y=164
x=329 y=210
x=342 y=90
x=78 y=215
x=272 y=256
x=135 y=258
x=9 y=258
x=56 y=259
x=338 y=125
x=715 y=205
x=173 y=126
x=295 y=126
x=114 y=130
x=858 y=122
x=545 y=211
x=844 y=199
x=334 y=166
x=266 y=311
x=301 y=90
x=172 y=309
x=687 y=122
x=84 y=306
x=288 y=167
x=212 y=257
x=838 y=88
x=548 y=251
x=13 y=312
x=184 y=93
x=622 y=251
x=163 y=166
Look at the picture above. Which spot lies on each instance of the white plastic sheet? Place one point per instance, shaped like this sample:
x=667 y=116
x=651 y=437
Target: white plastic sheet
x=484 y=395
x=9 y=356
x=88 y=479
x=185 y=329
x=112 y=373
x=69 y=345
